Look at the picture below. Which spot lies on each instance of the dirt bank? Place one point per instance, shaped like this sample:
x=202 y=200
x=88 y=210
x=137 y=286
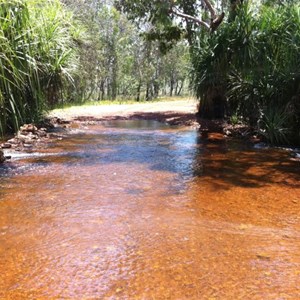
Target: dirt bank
x=179 y=112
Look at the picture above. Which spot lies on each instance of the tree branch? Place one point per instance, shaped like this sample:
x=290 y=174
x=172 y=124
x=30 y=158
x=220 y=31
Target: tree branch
x=211 y=9
x=189 y=17
x=215 y=20
x=215 y=23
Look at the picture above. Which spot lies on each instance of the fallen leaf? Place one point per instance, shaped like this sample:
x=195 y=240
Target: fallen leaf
x=264 y=256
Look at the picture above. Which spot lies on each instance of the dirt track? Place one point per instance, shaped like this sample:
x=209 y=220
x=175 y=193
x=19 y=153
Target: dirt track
x=173 y=112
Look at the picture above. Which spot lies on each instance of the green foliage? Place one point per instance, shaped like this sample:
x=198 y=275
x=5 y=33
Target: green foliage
x=166 y=26
x=234 y=119
x=273 y=125
x=118 y=62
x=34 y=56
x=254 y=61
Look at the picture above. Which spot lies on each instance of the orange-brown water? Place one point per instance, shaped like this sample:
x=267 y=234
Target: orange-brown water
x=136 y=210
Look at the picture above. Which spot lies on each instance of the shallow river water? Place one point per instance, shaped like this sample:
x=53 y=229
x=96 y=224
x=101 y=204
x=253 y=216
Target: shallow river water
x=140 y=210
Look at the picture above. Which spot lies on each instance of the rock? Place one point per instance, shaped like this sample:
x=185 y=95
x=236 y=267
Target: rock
x=23 y=132
x=41 y=133
x=2 y=157
x=61 y=121
x=13 y=141
x=31 y=136
x=28 y=141
x=228 y=133
x=21 y=137
x=6 y=146
x=255 y=139
x=28 y=145
x=28 y=138
x=28 y=128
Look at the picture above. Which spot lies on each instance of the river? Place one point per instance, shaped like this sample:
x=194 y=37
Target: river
x=142 y=210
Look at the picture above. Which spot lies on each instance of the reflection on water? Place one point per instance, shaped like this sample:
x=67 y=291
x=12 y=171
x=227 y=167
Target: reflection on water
x=138 y=210
x=134 y=124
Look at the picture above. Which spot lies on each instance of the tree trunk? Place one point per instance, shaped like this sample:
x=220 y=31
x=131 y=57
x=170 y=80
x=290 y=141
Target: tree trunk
x=114 y=85
x=147 y=92
x=180 y=88
x=156 y=89
x=171 y=87
x=102 y=91
x=138 y=92
x=213 y=104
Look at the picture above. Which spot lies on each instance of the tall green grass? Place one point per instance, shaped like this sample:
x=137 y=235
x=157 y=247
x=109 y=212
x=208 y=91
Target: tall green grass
x=36 y=57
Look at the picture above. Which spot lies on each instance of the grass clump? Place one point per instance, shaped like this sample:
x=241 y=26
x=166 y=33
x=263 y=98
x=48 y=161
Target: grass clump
x=35 y=59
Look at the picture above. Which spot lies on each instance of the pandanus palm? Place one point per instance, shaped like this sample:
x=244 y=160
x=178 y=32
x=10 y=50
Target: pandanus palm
x=35 y=47
x=254 y=61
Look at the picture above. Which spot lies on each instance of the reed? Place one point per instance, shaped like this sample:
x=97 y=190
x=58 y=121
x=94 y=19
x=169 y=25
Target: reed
x=35 y=58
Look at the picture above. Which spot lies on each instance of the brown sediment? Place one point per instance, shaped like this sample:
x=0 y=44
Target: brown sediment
x=154 y=214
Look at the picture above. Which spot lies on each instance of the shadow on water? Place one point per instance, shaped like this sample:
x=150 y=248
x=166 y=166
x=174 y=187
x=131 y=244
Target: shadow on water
x=234 y=163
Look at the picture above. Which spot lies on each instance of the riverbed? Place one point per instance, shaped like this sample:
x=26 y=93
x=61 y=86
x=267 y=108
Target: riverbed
x=143 y=210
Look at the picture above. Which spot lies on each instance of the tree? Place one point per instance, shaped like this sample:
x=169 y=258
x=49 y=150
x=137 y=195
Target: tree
x=253 y=63
x=115 y=59
x=175 y=68
x=171 y=19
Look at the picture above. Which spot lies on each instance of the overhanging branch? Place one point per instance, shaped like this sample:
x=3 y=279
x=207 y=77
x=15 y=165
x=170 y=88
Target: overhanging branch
x=215 y=20
x=189 y=17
